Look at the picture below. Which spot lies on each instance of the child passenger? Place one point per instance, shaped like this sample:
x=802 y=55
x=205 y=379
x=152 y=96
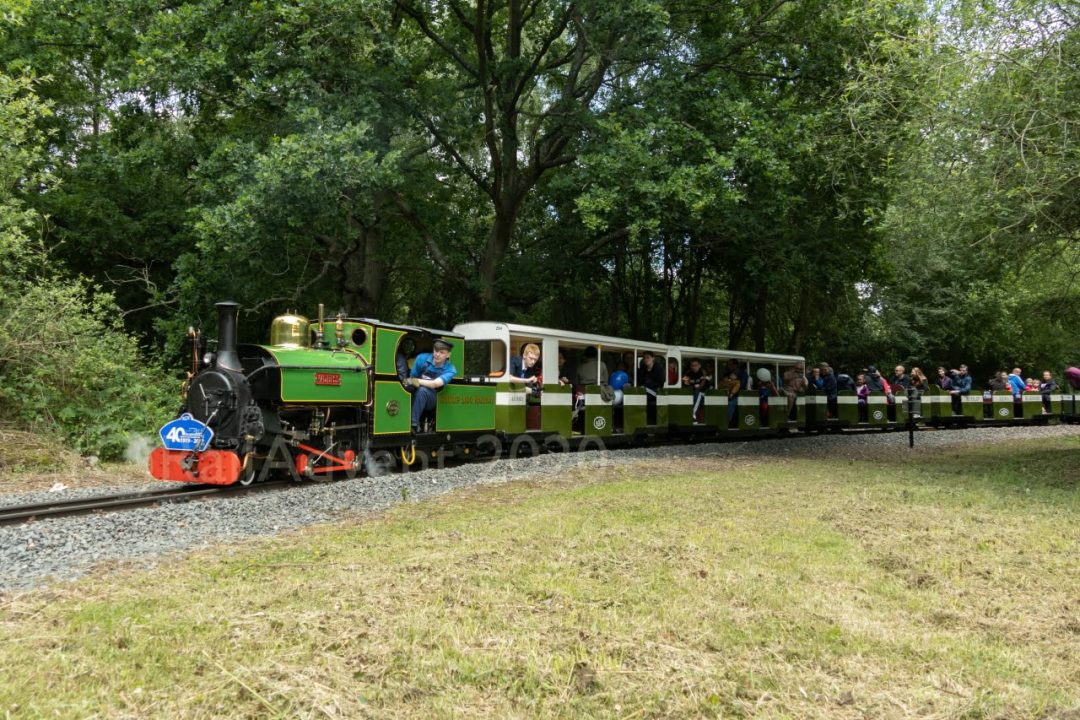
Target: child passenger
x=862 y=391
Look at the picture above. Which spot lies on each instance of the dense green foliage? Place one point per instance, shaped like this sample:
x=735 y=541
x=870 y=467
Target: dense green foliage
x=67 y=366
x=66 y=362
x=856 y=181
x=982 y=225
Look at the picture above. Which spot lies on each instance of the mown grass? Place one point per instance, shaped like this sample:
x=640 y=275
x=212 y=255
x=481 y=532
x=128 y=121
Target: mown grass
x=941 y=584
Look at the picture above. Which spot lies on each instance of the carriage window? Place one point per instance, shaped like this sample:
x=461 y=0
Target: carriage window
x=485 y=358
x=611 y=359
x=517 y=348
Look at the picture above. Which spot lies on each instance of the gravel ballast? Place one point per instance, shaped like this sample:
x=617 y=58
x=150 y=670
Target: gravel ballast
x=33 y=554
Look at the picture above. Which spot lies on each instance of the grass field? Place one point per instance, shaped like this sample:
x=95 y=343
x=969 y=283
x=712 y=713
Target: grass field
x=936 y=584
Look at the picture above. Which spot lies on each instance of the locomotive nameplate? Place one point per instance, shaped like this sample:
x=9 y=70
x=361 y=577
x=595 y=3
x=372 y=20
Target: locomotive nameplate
x=318 y=376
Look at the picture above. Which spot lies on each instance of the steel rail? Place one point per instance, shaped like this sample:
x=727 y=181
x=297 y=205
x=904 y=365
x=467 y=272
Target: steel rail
x=123 y=501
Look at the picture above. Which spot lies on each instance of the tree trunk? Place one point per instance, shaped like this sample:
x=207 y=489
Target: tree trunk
x=622 y=299
x=693 y=304
x=761 y=317
x=497 y=245
x=363 y=277
x=798 y=332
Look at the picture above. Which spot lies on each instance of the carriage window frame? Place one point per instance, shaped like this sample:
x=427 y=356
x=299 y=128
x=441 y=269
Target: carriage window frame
x=485 y=358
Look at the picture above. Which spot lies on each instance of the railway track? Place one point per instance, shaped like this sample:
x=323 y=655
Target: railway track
x=14 y=514
x=10 y=515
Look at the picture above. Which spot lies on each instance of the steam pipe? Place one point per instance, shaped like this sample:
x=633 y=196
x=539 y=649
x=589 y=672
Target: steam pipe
x=320 y=334
x=226 y=352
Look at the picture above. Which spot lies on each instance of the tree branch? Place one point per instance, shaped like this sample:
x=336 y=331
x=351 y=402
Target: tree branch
x=447 y=48
x=545 y=46
x=604 y=240
x=449 y=148
x=460 y=14
x=327 y=264
x=484 y=53
x=421 y=227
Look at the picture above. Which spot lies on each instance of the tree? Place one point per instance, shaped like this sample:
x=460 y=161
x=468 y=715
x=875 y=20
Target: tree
x=117 y=211
x=981 y=111
x=512 y=85
x=728 y=191
x=62 y=351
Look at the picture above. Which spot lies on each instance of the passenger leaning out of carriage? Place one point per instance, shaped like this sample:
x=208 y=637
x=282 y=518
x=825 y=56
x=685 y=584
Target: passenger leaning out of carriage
x=960 y=386
x=1047 y=387
x=651 y=377
x=1016 y=384
x=431 y=372
x=766 y=388
x=830 y=387
x=919 y=385
x=525 y=368
x=795 y=384
x=591 y=371
x=699 y=381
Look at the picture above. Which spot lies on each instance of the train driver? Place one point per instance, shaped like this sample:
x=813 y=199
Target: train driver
x=430 y=373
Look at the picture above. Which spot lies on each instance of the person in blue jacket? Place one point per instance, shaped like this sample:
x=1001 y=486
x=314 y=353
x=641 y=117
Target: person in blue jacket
x=961 y=385
x=525 y=368
x=431 y=372
x=1016 y=383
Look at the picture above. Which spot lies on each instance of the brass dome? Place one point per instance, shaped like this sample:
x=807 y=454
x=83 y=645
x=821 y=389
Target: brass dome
x=290 y=331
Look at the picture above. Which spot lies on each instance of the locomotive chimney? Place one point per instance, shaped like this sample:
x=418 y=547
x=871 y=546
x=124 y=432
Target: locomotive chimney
x=226 y=350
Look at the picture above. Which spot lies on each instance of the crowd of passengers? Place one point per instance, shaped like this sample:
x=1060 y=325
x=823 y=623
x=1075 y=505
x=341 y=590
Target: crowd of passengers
x=432 y=371
x=957 y=382
x=733 y=378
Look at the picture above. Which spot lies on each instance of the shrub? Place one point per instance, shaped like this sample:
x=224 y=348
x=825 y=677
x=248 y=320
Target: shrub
x=67 y=366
